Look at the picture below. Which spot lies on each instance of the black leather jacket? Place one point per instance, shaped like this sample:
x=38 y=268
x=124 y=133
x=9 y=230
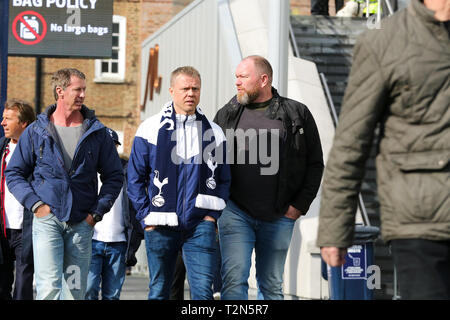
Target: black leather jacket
x=301 y=164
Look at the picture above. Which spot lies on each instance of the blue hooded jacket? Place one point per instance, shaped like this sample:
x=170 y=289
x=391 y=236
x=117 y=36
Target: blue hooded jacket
x=71 y=194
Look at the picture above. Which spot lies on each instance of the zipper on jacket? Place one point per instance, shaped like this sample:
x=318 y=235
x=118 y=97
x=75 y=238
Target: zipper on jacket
x=52 y=135
x=83 y=137
x=60 y=157
x=184 y=167
x=72 y=171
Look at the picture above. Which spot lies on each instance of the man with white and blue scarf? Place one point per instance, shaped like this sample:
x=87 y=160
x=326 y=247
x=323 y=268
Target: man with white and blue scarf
x=179 y=184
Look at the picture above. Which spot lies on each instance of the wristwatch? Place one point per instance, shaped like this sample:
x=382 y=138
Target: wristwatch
x=96 y=217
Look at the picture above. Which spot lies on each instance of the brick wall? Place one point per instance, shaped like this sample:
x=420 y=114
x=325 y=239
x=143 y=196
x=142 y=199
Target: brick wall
x=116 y=105
x=21 y=78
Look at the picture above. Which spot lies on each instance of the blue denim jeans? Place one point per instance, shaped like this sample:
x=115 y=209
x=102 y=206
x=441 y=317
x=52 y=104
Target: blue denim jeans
x=199 y=254
x=108 y=267
x=62 y=254
x=239 y=235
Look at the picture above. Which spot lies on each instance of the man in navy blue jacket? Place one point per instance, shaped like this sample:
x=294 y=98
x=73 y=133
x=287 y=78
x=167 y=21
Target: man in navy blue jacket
x=53 y=173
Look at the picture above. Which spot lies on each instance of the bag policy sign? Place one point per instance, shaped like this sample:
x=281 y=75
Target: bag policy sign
x=60 y=28
x=85 y=4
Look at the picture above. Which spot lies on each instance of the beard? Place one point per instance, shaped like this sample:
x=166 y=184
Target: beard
x=247 y=97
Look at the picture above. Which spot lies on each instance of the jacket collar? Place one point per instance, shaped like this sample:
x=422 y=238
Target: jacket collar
x=417 y=8
x=437 y=29
x=85 y=111
x=275 y=106
x=90 y=120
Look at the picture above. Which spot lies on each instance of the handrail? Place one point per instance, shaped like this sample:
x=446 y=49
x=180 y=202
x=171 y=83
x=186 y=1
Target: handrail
x=293 y=40
x=330 y=101
x=361 y=204
x=388 y=5
x=395 y=296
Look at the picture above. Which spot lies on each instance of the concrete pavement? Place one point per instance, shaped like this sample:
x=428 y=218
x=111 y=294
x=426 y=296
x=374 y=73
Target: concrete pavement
x=135 y=287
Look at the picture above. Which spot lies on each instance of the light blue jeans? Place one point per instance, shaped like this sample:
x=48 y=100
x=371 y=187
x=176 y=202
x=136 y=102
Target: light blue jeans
x=62 y=254
x=239 y=234
x=199 y=249
x=108 y=267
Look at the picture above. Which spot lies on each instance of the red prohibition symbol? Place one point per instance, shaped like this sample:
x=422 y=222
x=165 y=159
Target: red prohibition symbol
x=29 y=29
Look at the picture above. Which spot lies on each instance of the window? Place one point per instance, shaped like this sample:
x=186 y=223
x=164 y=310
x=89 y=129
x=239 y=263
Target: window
x=113 y=70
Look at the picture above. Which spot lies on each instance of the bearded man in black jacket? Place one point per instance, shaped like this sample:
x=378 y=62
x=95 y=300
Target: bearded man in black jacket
x=268 y=193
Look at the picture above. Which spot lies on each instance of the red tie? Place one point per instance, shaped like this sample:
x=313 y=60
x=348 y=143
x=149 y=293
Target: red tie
x=2 y=190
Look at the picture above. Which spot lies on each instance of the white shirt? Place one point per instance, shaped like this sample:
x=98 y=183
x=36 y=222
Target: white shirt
x=13 y=208
x=112 y=227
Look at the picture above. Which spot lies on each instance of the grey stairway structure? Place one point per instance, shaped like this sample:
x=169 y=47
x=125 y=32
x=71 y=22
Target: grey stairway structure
x=329 y=42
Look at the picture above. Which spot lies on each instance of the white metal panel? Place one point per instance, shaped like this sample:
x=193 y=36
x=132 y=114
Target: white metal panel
x=197 y=37
x=193 y=37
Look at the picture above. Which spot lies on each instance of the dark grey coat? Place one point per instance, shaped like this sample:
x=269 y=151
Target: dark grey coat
x=400 y=78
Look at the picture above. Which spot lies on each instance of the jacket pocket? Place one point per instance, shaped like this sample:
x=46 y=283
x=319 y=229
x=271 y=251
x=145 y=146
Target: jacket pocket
x=50 y=192
x=85 y=162
x=46 y=161
x=298 y=136
x=416 y=187
x=422 y=161
x=404 y=96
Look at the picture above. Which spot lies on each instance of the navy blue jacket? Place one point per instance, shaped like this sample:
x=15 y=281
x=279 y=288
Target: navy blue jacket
x=133 y=230
x=71 y=194
x=27 y=243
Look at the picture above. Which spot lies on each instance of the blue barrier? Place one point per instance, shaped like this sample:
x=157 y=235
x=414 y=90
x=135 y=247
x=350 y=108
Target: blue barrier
x=349 y=281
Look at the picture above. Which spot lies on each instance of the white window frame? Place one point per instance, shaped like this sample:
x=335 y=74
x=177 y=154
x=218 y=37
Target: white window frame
x=111 y=77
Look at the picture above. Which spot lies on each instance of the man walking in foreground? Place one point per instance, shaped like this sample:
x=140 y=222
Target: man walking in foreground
x=53 y=173
x=400 y=80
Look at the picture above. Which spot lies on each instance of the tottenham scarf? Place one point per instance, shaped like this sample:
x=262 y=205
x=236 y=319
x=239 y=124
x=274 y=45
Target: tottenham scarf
x=163 y=184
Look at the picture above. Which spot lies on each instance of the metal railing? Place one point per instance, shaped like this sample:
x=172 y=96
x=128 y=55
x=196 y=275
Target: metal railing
x=293 y=41
x=388 y=5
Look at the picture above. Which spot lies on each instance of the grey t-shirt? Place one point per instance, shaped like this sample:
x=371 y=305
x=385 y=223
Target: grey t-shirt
x=68 y=138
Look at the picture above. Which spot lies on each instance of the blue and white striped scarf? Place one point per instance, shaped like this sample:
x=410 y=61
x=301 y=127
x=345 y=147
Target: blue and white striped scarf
x=163 y=187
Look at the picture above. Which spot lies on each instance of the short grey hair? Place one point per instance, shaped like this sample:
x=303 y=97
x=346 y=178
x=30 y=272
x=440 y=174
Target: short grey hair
x=61 y=78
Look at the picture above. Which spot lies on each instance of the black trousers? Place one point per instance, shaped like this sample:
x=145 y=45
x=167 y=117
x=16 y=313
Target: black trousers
x=177 y=288
x=423 y=268
x=320 y=7
x=12 y=251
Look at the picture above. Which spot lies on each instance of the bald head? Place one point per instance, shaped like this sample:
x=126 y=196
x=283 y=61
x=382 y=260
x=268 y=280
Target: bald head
x=262 y=66
x=253 y=80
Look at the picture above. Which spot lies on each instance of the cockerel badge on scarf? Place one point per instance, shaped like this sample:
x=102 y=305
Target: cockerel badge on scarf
x=212 y=165
x=158 y=200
